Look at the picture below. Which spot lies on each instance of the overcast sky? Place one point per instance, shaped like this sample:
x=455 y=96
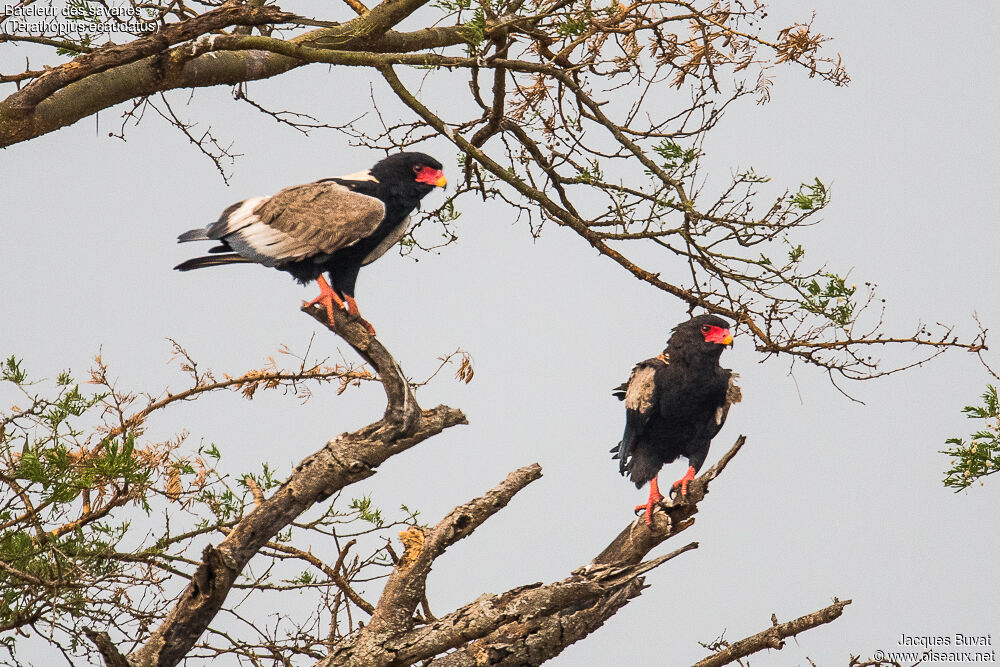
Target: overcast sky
x=829 y=497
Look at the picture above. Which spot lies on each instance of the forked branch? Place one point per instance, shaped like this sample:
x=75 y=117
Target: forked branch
x=344 y=460
x=529 y=624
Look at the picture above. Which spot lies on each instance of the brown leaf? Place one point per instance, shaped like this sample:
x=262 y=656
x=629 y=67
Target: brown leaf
x=174 y=485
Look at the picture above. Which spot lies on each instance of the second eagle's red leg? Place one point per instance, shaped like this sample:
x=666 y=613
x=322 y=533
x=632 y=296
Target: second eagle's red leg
x=654 y=497
x=683 y=481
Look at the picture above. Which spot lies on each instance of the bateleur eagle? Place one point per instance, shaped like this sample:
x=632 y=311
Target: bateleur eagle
x=675 y=403
x=333 y=226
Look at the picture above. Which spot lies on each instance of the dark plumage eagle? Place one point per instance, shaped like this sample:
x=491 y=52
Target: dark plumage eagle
x=675 y=403
x=333 y=226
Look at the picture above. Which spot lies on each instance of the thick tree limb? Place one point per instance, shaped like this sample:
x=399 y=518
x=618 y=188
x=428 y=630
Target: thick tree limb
x=519 y=614
x=527 y=625
x=115 y=55
x=116 y=73
x=344 y=460
x=533 y=641
x=405 y=589
x=526 y=608
x=112 y=658
x=406 y=586
x=774 y=636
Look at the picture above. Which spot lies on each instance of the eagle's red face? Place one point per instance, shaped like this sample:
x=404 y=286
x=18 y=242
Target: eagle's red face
x=717 y=335
x=430 y=176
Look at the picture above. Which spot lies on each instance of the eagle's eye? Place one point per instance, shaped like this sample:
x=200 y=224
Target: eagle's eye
x=705 y=328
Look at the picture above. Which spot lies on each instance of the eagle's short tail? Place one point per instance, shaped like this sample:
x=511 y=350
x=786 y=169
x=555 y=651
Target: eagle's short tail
x=636 y=463
x=199 y=234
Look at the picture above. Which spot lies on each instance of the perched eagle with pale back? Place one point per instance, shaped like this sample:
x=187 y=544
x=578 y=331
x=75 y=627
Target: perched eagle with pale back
x=333 y=226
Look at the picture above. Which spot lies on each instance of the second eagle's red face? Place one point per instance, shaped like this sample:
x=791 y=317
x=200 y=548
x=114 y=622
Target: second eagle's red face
x=430 y=176
x=717 y=335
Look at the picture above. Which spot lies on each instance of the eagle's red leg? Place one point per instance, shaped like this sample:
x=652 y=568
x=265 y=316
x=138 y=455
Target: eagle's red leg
x=654 y=497
x=352 y=308
x=327 y=297
x=683 y=481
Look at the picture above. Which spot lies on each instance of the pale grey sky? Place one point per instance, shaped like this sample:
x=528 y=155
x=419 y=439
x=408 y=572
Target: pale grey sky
x=828 y=498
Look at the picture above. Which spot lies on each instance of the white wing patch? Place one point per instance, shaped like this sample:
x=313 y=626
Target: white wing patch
x=733 y=395
x=641 y=387
x=733 y=392
x=239 y=218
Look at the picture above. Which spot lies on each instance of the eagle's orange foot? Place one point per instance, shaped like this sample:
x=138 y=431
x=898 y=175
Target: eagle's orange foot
x=328 y=297
x=654 y=498
x=352 y=307
x=683 y=481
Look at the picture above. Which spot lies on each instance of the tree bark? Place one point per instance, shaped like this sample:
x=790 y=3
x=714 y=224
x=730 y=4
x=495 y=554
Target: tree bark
x=184 y=55
x=527 y=625
x=344 y=460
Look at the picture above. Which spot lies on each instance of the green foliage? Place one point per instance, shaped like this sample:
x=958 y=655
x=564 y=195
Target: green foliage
x=674 y=156
x=75 y=465
x=751 y=176
x=448 y=212
x=451 y=6
x=11 y=371
x=366 y=511
x=265 y=480
x=47 y=553
x=87 y=17
x=831 y=299
x=811 y=196
x=211 y=451
x=82 y=11
x=76 y=49
x=476 y=32
x=979 y=457
x=591 y=173
x=572 y=26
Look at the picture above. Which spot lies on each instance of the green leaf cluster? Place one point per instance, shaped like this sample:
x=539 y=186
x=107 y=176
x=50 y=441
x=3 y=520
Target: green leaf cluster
x=591 y=173
x=674 y=155
x=451 y=6
x=811 y=196
x=831 y=299
x=367 y=511
x=75 y=464
x=47 y=554
x=980 y=456
x=572 y=26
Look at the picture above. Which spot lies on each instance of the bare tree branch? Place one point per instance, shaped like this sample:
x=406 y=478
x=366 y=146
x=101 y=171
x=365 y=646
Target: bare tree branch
x=774 y=636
